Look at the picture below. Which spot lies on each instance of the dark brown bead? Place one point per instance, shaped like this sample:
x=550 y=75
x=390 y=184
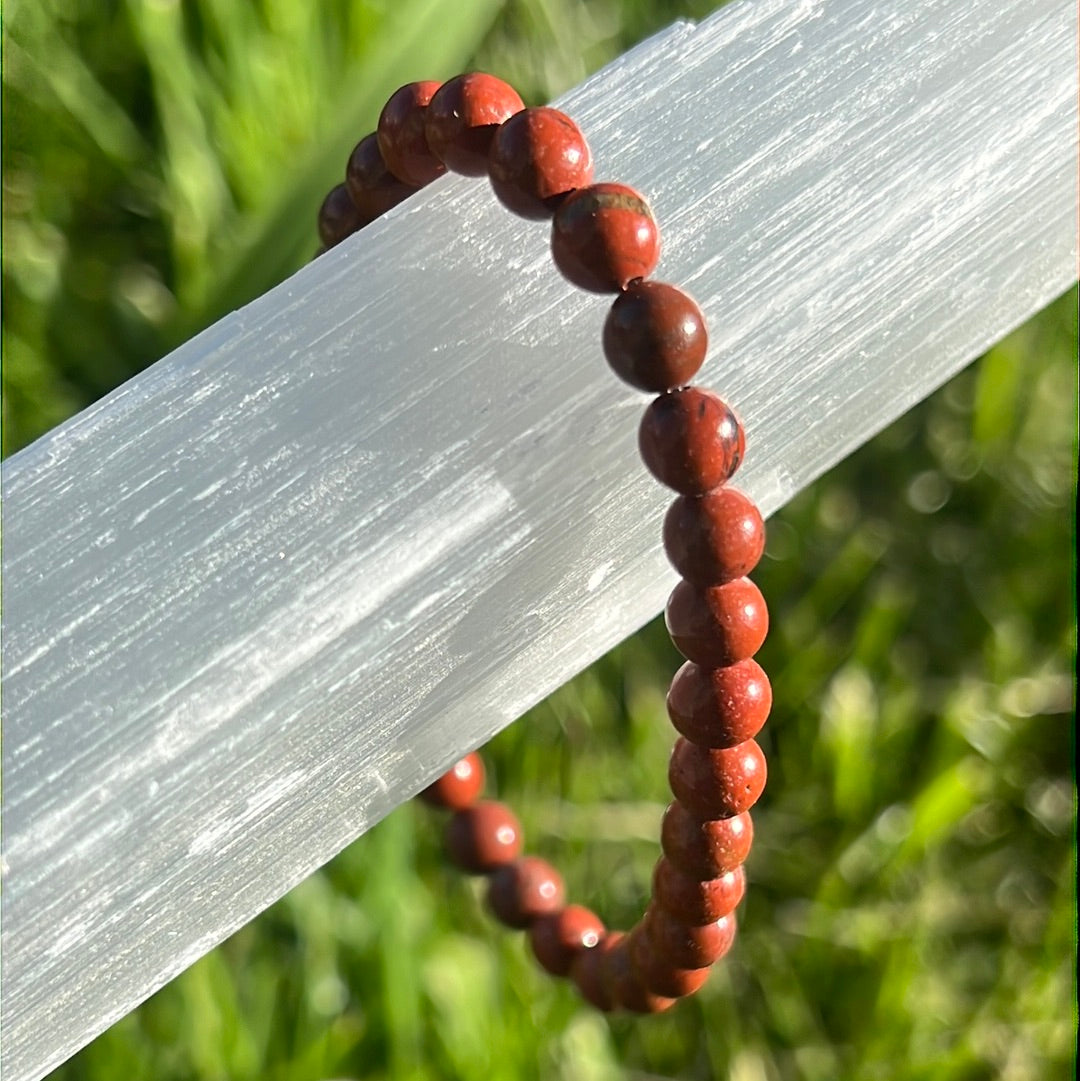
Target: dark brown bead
x=626 y=987
x=657 y=972
x=523 y=891
x=459 y=786
x=686 y=945
x=655 y=337
x=463 y=116
x=374 y=189
x=603 y=237
x=537 y=157
x=705 y=849
x=338 y=216
x=483 y=837
x=717 y=625
x=558 y=938
x=589 y=972
x=691 y=441
x=714 y=538
x=717 y=783
x=720 y=707
x=401 y=136
x=692 y=901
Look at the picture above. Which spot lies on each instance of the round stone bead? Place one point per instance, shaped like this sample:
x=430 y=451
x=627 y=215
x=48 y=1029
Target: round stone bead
x=463 y=116
x=705 y=849
x=719 y=707
x=523 y=891
x=481 y=838
x=627 y=989
x=657 y=971
x=338 y=216
x=459 y=786
x=717 y=625
x=714 y=783
x=558 y=938
x=691 y=441
x=655 y=337
x=603 y=237
x=714 y=538
x=589 y=971
x=401 y=136
x=536 y=158
x=374 y=189
x=694 y=902
x=686 y=945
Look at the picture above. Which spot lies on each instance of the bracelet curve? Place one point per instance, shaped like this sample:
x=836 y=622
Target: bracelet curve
x=605 y=239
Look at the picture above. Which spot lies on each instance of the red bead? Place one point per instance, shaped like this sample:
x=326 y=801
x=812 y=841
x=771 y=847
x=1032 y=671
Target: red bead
x=655 y=337
x=714 y=538
x=558 y=938
x=463 y=116
x=719 y=707
x=374 y=189
x=658 y=973
x=523 y=891
x=459 y=786
x=537 y=157
x=685 y=945
x=338 y=216
x=626 y=987
x=691 y=441
x=705 y=849
x=604 y=236
x=402 y=141
x=483 y=837
x=694 y=902
x=589 y=971
x=717 y=625
x=717 y=783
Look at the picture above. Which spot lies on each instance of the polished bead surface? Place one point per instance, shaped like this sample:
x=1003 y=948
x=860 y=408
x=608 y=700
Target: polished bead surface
x=537 y=157
x=692 y=901
x=655 y=337
x=714 y=538
x=374 y=189
x=463 y=116
x=523 y=891
x=556 y=939
x=589 y=972
x=705 y=848
x=338 y=216
x=627 y=989
x=402 y=140
x=687 y=945
x=715 y=783
x=691 y=441
x=717 y=625
x=459 y=786
x=603 y=237
x=719 y=707
x=658 y=973
x=483 y=837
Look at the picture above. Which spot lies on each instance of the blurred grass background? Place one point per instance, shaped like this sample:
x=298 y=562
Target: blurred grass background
x=911 y=913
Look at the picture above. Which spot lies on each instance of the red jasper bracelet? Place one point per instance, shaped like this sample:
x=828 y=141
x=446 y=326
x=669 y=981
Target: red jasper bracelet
x=605 y=239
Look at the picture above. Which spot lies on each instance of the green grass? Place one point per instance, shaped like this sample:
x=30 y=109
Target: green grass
x=911 y=911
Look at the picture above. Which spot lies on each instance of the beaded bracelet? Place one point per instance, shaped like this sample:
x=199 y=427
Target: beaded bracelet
x=604 y=239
